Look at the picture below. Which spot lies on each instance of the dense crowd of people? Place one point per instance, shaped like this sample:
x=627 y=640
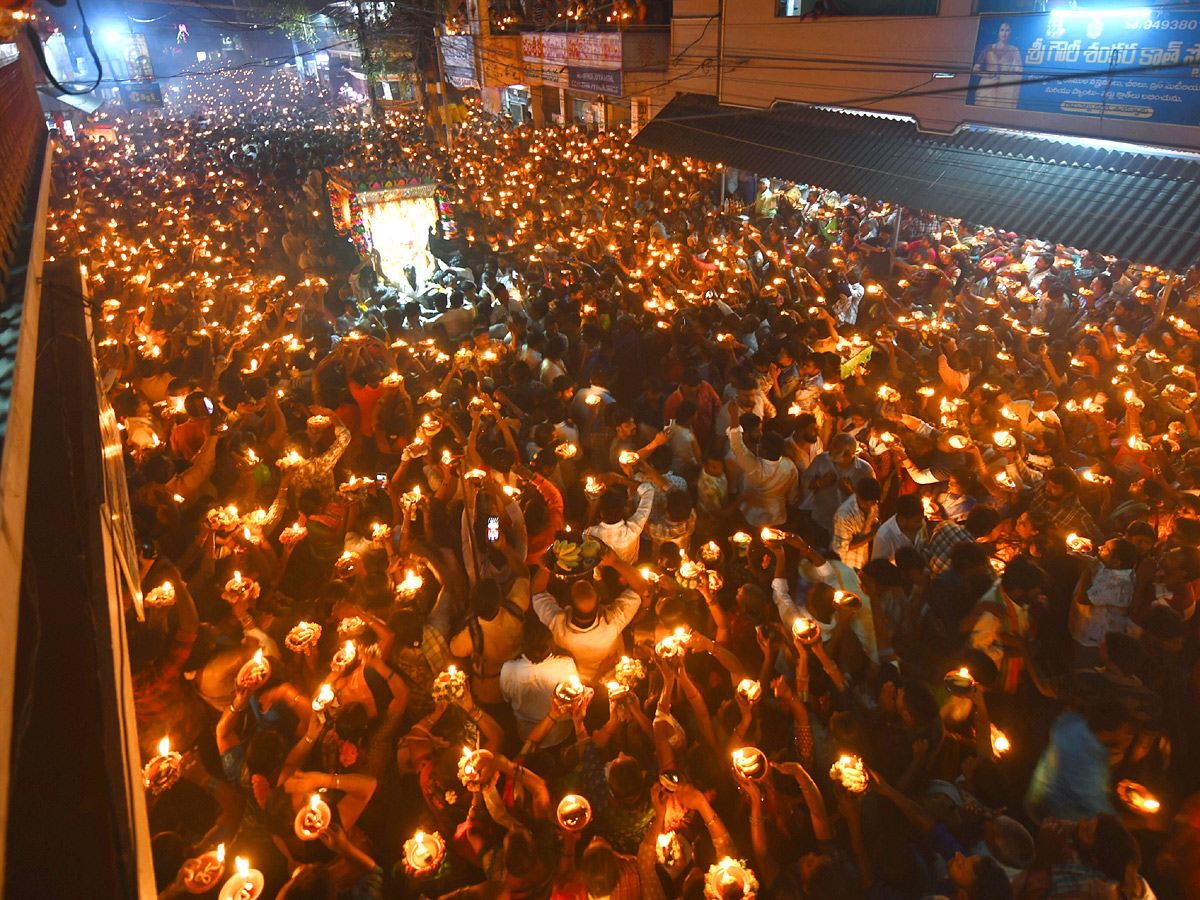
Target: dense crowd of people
x=654 y=546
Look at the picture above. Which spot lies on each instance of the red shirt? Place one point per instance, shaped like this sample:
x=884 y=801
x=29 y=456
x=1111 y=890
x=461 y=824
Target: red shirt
x=163 y=702
x=366 y=397
x=188 y=437
x=709 y=405
x=539 y=543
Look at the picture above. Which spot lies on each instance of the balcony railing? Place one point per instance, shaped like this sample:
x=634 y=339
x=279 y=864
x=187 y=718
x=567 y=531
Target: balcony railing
x=514 y=16
x=22 y=144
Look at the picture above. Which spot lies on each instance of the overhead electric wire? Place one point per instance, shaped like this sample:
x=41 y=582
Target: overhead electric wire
x=157 y=18
x=39 y=53
x=269 y=62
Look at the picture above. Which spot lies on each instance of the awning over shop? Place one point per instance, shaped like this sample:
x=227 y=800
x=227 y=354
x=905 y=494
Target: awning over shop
x=1122 y=201
x=51 y=96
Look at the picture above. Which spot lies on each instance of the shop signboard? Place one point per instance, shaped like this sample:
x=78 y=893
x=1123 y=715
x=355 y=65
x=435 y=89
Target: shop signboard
x=595 y=81
x=137 y=59
x=142 y=96
x=594 y=50
x=1139 y=64
x=458 y=59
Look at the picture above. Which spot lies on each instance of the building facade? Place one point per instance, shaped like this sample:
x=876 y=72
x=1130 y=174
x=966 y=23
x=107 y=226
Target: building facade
x=598 y=71
x=1121 y=74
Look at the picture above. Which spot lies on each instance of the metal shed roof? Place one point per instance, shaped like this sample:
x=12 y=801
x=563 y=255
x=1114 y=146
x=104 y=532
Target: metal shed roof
x=1125 y=201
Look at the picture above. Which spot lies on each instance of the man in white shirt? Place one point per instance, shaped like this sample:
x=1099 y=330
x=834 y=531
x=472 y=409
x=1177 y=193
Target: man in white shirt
x=1005 y=610
x=581 y=408
x=954 y=369
x=746 y=398
x=830 y=478
x=590 y=631
x=905 y=529
x=816 y=570
x=855 y=523
x=845 y=305
x=621 y=532
x=804 y=445
x=528 y=682
x=770 y=479
x=457 y=318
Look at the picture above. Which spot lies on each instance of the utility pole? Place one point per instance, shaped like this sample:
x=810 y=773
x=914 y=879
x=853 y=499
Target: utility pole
x=367 y=62
x=437 y=37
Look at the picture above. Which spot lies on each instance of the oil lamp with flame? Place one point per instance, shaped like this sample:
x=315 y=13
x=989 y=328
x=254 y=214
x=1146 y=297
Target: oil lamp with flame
x=324 y=698
x=449 y=685
x=244 y=884
x=303 y=638
x=847 y=600
x=850 y=772
x=423 y=853
x=615 y=689
x=163 y=770
x=202 y=873
x=690 y=574
x=1079 y=543
x=749 y=690
x=806 y=630
x=312 y=819
x=1137 y=798
x=730 y=879
x=409 y=585
x=223 y=518
x=344 y=658
x=750 y=763
x=293 y=534
x=673 y=645
x=380 y=534
x=669 y=849
x=629 y=671
x=160 y=597
x=568 y=692
x=960 y=682
x=474 y=768
x=1000 y=741
x=741 y=542
x=254 y=672
x=240 y=587
x=574 y=812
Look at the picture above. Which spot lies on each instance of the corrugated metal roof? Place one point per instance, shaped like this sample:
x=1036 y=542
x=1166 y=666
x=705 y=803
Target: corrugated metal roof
x=87 y=103
x=1122 y=201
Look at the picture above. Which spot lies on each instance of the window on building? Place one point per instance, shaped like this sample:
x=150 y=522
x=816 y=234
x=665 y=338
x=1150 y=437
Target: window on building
x=817 y=9
x=1040 y=6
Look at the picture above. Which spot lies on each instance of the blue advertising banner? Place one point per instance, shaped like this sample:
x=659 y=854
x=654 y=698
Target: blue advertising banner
x=142 y=96
x=594 y=81
x=1131 y=63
